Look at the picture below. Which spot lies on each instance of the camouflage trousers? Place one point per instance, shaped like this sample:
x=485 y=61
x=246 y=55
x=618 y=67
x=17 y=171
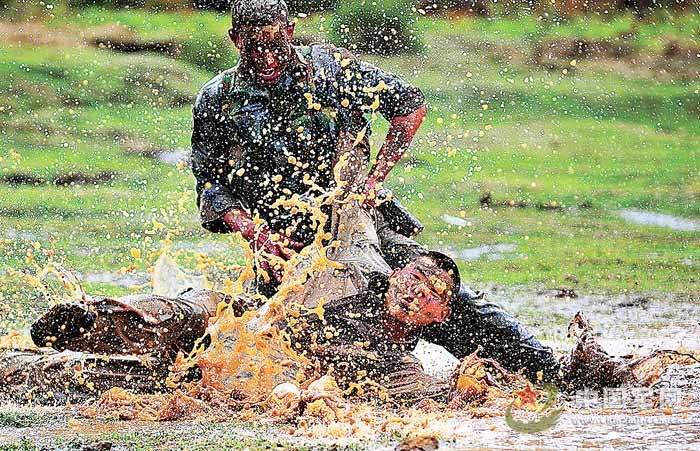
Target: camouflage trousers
x=56 y=378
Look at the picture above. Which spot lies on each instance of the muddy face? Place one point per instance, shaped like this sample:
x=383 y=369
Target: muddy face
x=265 y=50
x=417 y=299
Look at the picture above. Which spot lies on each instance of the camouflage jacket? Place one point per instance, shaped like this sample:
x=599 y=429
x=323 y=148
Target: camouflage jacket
x=252 y=144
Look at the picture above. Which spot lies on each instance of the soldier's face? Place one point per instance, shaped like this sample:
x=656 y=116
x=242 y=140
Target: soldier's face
x=266 y=49
x=418 y=300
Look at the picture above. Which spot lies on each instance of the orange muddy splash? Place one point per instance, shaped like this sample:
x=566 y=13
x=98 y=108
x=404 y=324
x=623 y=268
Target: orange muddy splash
x=16 y=340
x=246 y=363
x=249 y=355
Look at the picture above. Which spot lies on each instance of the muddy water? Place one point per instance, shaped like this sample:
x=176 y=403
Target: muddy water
x=490 y=251
x=174 y=157
x=625 y=323
x=575 y=432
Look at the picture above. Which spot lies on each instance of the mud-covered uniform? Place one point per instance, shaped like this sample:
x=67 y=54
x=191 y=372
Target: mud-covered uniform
x=353 y=338
x=354 y=343
x=474 y=323
x=253 y=144
x=89 y=347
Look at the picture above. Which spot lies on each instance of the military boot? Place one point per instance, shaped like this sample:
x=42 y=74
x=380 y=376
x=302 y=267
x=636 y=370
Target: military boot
x=63 y=322
x=406 y=382
x=588 y=365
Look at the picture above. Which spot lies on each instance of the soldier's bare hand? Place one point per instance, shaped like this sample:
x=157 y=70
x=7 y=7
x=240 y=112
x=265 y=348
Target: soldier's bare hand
x=276 y=244
x=369 y=194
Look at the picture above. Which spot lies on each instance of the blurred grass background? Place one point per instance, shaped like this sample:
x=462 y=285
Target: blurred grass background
x=544 y=124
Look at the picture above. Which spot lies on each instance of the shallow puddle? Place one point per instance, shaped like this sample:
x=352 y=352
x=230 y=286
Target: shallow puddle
x=455 y=221
x=575 y=431
x=612 y=419
x=174 y=157
x=491 y=251
x=624 y=323
x=660 y=220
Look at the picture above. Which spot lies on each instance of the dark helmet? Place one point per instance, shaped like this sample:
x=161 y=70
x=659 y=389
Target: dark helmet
x=258 y=12
x=445 y=263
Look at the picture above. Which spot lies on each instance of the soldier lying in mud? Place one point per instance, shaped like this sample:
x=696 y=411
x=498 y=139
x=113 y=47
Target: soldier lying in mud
x=131 y=342
x=363 y=339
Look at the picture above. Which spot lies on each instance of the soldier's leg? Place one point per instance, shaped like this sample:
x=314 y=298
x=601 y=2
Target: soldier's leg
x=474 y=323
x=138 y=324
x=50 y=377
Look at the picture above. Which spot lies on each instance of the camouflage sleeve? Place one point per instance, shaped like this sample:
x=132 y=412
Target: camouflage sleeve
x=368 y=89
x=210 y=148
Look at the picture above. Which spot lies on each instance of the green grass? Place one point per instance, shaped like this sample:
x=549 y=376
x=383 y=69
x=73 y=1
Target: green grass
x=188 y=436
x=17 y=419
x=647 y=32
x=607 y=135
x=201 y=35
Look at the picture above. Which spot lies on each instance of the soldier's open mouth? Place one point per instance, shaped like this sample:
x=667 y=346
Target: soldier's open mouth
x=269 y=74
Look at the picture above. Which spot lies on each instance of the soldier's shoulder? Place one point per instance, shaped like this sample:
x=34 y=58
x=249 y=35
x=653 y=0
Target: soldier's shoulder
x=331 y=51
x=327 y=56
x=209 y=93
x=212 y=90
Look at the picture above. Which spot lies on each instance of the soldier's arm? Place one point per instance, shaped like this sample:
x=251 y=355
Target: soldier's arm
x=398 y=139
x=403 y=105
x=210 y=148
x=221 y=208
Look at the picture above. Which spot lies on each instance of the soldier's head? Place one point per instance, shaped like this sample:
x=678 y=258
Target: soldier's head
x=419 y=294
x=262 y=32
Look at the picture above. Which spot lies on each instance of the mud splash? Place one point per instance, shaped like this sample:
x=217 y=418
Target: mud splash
x=248 y=369
x=244 y=360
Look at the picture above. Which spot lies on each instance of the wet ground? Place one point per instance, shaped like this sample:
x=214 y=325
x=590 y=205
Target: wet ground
x=667 y=417
x=604 y=432
x=490 y=251
x=624 y=323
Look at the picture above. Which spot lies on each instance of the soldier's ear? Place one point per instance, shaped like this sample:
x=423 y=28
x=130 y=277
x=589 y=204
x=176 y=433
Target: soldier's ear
x=235 y=38
x=290 y=30
x=445 y=313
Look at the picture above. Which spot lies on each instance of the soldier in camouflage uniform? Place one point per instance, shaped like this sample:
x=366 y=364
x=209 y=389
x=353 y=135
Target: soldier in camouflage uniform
x=88 y=347
x=373 y=317
x=130 y=342
x=271 y=127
